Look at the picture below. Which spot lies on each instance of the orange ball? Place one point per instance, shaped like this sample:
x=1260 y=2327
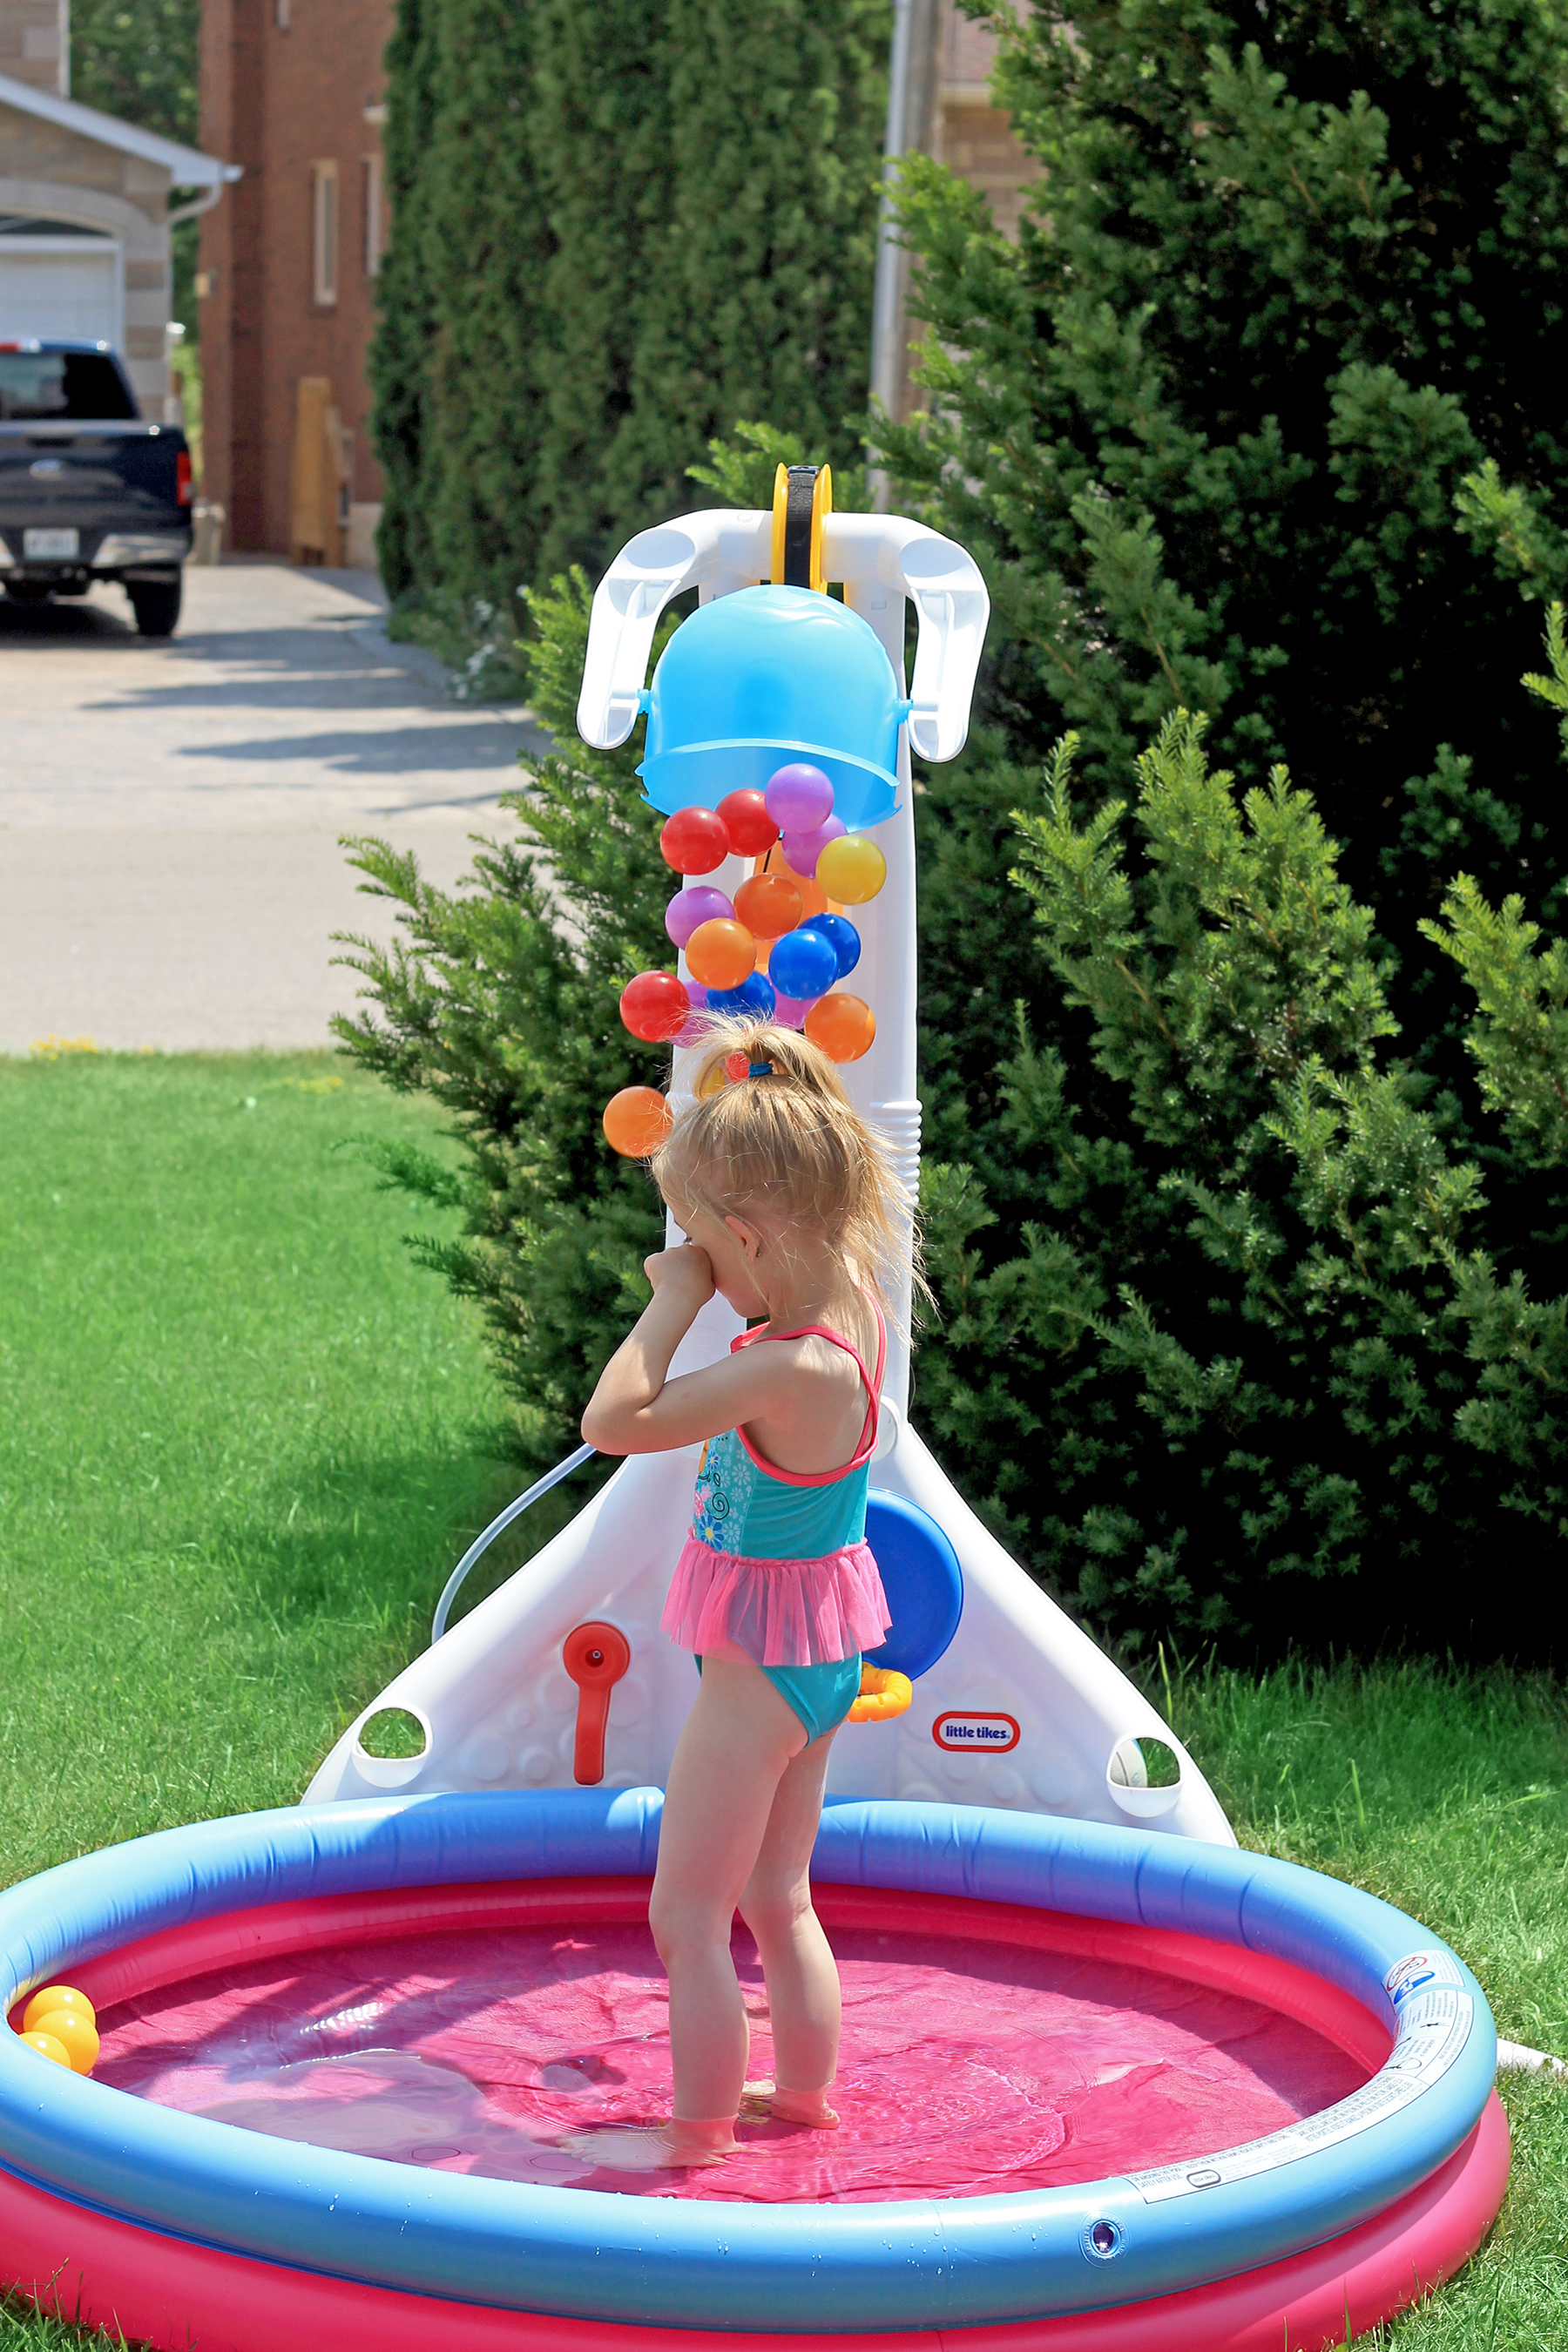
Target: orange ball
x=813 y=896
x=769 y=905
x=57 y=1997
x=843 y=1026
x=720 y=953
x=77 y=2035
x=637 y=1121
x=48 y=2047
x=851 y=869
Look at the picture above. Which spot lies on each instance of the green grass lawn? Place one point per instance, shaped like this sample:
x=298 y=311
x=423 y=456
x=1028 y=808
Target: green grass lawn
x=243 y=1437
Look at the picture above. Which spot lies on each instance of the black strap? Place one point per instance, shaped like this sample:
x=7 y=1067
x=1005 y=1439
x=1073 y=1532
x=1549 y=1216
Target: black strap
x=798 y=501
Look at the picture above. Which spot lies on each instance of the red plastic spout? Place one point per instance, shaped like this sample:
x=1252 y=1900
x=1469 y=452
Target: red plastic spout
x=595 y=1656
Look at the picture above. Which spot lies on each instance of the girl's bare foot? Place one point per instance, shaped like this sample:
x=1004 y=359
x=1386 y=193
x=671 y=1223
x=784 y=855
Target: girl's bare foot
x=656 y=2148
x=809 y=2108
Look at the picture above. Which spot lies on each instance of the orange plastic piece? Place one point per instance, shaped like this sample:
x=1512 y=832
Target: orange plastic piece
x=813 y=896
x=844 y=1026
x=720 y=953
x=637 y=1121
x=595 y=1656
x=769 y=905
x=57 y=1997
x=48 y=2047
x=883 y=1695
x=77 y=2035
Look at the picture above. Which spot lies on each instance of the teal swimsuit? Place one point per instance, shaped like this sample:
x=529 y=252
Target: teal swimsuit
x=777 y=1565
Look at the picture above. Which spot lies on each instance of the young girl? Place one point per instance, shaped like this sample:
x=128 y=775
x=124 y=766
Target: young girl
x=792 y=1213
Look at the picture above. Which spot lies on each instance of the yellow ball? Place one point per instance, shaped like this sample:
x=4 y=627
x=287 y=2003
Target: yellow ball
x=57 y=1997
x=77 y=2035
x=851 y=869
x=48 y=2047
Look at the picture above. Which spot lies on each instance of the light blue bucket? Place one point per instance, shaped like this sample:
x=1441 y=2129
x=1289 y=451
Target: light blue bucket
x=763 y=676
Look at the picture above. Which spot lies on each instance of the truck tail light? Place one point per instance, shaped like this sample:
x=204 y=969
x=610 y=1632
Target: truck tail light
x=183 y=478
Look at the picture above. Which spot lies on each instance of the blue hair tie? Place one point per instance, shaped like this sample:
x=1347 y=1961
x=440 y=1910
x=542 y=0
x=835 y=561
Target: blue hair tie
x=760 y=1070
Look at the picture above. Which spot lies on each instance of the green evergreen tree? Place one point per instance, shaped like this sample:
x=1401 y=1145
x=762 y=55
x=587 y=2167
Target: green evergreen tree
x=400 y=350
x=620 y=230
x=1258 y=418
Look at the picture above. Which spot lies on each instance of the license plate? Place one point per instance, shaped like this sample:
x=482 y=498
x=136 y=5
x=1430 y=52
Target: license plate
x=40 y=546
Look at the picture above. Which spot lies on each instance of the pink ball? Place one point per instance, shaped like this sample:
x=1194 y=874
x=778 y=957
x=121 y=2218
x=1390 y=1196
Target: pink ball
x=798 y=797
x=789 y=1012
x=802 y=850
x=698 y=904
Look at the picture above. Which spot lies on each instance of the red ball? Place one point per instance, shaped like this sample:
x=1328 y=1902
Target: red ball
x=694 y=841
x=746 y=821
x=653 y=1006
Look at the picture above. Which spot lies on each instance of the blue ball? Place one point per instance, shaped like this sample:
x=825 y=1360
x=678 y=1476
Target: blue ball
x=803 y=963
x=844 y=939
x=754 y=999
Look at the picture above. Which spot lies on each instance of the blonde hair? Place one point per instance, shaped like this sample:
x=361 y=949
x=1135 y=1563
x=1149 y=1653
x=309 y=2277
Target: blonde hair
x=791 y=1144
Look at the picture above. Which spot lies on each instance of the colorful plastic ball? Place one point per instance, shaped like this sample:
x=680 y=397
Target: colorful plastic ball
x=790 y=1012
x=754 y=999
x=637 y=1121
x=803 y=963
x=694 y=840
x=769 y=905
x=736 y=1067
x=77 y=2035
x=798 y=797
x=804 y=849
x=720 y=953
x=655 y=1006
x=695 y=1028
x=751 y=829
x=852 y=870
x=56 y=1996
x=701 y=903
x=845 y=940
x=843 y=1026
x=48 y=2047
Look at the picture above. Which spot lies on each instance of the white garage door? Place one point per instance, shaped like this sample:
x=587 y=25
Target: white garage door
x=56 y=294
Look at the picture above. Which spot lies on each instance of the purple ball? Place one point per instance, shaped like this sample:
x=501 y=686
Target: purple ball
x=802 y=850
x=790 y=1012
x=798 y=797
x=694 y=1031
x=700 y=904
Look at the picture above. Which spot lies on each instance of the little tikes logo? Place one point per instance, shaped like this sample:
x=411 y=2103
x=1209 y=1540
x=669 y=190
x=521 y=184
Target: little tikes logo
x=962 y=1732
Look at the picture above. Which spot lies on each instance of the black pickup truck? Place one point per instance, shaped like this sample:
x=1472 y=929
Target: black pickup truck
x=88 y=490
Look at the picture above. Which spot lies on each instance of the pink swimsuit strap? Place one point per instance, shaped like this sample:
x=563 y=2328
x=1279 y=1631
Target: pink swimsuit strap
x=868 y=1444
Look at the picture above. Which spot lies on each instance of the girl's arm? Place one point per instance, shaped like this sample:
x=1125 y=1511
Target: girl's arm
x=637 y=1409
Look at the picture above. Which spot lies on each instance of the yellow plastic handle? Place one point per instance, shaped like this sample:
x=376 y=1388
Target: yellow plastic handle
x=883 y=1695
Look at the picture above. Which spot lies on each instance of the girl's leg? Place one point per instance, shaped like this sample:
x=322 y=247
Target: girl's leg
x=803 y=1997
x=734 y=1751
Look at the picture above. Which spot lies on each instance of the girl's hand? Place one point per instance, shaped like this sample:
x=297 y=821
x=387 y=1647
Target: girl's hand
x=683 y=1275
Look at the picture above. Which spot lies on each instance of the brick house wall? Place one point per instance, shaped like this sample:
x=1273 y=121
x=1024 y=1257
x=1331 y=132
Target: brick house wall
x=292 y=90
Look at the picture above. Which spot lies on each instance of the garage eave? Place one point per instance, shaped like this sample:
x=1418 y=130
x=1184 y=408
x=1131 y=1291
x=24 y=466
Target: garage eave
x=187 y=167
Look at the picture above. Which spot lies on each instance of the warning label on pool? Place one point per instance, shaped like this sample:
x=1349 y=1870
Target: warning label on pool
x=962 y=1732
x=1434 y=2022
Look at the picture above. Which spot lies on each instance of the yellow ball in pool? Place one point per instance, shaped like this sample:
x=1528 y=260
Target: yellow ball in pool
x=851 y=869
x=48 y=2047
x=77 y=2035
x=57 y=1997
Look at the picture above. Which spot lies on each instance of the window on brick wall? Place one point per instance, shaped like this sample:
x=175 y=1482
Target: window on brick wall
x=324 y=233
x=369 y=193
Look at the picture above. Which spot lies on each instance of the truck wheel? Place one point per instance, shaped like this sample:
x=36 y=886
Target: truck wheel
x=156 y=604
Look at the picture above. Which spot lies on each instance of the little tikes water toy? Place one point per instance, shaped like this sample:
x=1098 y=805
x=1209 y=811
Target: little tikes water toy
x=1107 y=2084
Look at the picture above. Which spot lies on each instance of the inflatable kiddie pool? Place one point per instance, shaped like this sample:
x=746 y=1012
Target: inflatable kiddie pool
x=430 y=2005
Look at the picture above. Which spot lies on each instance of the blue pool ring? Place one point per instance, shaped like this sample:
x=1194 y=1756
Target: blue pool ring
x=928 y=2262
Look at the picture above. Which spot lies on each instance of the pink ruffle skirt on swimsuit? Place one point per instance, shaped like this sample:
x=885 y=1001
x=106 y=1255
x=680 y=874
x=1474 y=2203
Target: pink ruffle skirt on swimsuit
x=781 y=1613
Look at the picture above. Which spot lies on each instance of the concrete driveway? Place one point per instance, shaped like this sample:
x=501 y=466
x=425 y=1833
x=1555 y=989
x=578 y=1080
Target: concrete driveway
x=170 y=873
